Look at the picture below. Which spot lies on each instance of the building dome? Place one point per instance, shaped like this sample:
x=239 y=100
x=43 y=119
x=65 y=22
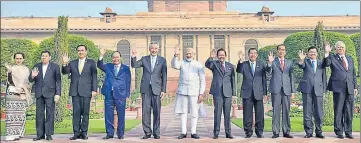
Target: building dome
x=265 y=9
x=108 y=10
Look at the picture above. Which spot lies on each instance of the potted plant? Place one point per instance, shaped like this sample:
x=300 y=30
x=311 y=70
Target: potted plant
x=133 y=107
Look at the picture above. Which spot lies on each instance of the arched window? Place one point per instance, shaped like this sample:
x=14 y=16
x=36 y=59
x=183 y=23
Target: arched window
x=250 y=43
x=123 y=47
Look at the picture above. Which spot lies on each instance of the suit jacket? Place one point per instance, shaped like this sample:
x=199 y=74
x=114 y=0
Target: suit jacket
x=281 y=78
x=158 y=76
x=50 y=85
x=341 y=79
x=118 y=84
x=313 y=80
x=220 y=80
x=82 y=83
x=192 y=79
x=256 y=83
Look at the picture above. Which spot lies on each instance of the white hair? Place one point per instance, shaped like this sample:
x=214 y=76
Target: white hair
x=153 y=43
x=340 y=43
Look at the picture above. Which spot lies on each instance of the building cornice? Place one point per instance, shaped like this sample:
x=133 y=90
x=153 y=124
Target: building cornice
x=184 y=29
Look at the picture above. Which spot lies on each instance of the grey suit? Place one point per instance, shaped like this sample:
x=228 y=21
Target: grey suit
x=222 y=89
x=312 y=86
x=342 y=82
x=151 y=92
x=281 y=87
x=254 y=86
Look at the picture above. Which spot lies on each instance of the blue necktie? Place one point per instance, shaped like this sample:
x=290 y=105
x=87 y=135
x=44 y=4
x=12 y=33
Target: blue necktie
x=252 y=66
x=313 y=66
x=116 y=70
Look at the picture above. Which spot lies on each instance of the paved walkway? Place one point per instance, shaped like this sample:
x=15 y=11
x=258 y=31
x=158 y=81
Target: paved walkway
x=170 y=129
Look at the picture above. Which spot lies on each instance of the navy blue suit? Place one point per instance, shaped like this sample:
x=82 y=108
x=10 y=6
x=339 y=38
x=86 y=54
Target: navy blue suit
x=116 y=89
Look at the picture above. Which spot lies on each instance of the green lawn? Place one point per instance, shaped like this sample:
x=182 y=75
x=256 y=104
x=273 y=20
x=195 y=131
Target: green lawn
x=95 y=126
x=297 y=126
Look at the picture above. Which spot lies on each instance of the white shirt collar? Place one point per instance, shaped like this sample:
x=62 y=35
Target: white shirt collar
x=82 y=60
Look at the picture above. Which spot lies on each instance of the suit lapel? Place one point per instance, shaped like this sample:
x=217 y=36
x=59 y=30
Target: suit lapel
x=149 y=63
x=250 y=67
x=348 y=62
x=77 y=66
x=46 y=72
x=41 y=70
x=219 y=67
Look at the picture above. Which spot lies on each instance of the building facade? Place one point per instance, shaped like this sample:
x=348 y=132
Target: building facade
x=202 y=25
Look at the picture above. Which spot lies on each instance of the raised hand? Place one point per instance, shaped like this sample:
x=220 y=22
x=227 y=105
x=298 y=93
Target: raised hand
x=176 y=50
x=241 y=56
x=327 y=48
x=8 y=67
x=102 y=52
x=301 y=54
x=213 y=53
x=34 y=72
x=270 y=57
x=134 y=52
x=65 y=58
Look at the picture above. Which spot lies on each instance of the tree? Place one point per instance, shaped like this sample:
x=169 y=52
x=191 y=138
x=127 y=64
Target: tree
x=61 y=46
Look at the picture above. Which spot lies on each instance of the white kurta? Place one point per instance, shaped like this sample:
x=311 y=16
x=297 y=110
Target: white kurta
x=191 y=84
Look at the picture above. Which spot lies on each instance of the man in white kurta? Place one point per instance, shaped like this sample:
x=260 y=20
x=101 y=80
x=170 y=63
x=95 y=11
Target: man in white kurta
x=190 y=90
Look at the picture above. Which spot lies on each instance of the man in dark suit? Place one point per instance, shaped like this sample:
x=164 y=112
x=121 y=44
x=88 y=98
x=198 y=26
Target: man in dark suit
x=83 y=74
x=153 y=87
x=116 y=89
x=222 y=89
x=282 y=86
x=343 y=84
x=312 y=86
x=47 y=88
x=254 y=89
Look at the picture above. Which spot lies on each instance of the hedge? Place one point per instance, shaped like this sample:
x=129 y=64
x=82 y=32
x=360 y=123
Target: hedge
x=303 y=40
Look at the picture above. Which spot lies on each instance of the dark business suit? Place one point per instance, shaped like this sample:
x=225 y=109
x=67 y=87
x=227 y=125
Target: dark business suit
x=116 y=89
x=45 y=89
x=151 y=92
x=281 y=87
x=342 y=82
x=312 y=86
x=254 y=87
x=81 y=86
x=222 y=89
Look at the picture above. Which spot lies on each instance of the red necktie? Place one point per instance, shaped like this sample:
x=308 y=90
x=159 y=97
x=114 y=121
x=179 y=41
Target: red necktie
x=344 y=62
x=282 y=65
x=222 y=67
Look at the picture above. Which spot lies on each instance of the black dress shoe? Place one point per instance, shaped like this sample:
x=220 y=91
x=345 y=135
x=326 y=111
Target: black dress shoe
x=146 y=137
x=156 y=137
x=121 y=137
x=340 y=136
x=84 y=137
x=349 y=136
x=275 y=136
x=74 y=137
x=38 y=138
x=259 y=136
x=248 y=136
x=182 y=136
x=320 y=136
x=229 y=136
x=108 y=137
x=308 y=136
x=288 y=136
x=49 y=138
x=215 y=136
x=195 y=136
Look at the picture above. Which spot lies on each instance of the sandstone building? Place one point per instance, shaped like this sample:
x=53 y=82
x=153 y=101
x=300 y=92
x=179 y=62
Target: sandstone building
x=202 y=25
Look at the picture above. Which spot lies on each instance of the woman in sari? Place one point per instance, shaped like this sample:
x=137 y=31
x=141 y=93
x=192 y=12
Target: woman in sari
x=17 y=98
